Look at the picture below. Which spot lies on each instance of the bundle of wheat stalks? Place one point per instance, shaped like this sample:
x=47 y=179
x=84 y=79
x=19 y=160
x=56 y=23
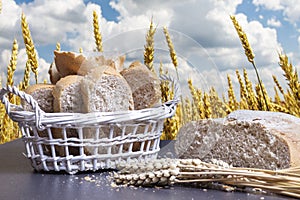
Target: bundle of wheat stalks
x=203 y=104
x=168 y=172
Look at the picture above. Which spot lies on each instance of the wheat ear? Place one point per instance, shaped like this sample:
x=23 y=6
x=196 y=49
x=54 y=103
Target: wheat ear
x=291 y=75
x=57 y=46
x=12 y=63
x=248 y=51
x=97 y=33
x=149 y=47
x=30 y=50
x=25 y=83
x=167 y=172
x=11 y=68
x=171 y=47
x=251 y=96
x=231 y=96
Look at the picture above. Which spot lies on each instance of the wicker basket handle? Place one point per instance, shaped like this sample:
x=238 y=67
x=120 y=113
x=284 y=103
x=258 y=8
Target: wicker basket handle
x=28 y=98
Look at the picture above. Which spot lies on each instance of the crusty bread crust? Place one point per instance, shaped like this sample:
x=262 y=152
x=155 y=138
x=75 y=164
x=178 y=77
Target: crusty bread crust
x=68 y=63
x=42 y=93
x=67 y=97
x=145 y=85
x=53 y=73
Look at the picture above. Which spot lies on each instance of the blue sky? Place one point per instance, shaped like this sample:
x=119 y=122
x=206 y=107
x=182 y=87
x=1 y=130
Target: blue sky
x=202 y=32
x=287 y=33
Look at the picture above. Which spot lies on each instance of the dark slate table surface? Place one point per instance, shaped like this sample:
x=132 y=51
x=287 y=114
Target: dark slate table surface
x=19 y=181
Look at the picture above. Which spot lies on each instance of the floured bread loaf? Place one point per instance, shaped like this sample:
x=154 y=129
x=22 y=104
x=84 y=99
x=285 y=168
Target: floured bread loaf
x=42 y=93
x=257 y=139
x=144 y=84
x=67 y=98
x=105 y=90
x=67 y=95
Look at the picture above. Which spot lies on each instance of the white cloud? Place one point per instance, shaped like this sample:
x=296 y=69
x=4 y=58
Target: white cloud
x=290 y=8
x=274 y=22
x=271 y=5
x=202 y=32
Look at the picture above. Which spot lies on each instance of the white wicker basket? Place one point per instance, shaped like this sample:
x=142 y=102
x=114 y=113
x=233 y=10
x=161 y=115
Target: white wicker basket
x=130 y=134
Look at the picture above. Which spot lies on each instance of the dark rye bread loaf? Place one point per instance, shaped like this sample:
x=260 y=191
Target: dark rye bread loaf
x=245 y=138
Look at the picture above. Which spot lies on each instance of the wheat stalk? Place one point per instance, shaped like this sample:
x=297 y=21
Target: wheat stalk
x=166 y=172
x=149 y=47
x=232 y=99
x=277 y=99
x=251 y=96
x=217 y=105
x=188 y=109
x=243 y=91
x=207 y=105
x=244 y=40
x=278 y=84
x=25 y=83
x=248 y=50
x=171 y=125
x=97 y=33
x=30 y=50
x=291 y=76
x=291 y=104
x=57 y=46
x=197 y=99
x=11 y=68
x=171 y=48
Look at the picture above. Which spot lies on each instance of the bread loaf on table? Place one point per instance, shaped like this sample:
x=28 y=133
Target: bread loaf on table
x=266 y=140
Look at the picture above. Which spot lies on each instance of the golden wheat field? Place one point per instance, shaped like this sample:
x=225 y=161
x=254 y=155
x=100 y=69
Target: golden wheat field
x=202 y=104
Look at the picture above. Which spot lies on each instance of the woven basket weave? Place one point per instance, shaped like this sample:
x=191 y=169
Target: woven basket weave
x=73 y=142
